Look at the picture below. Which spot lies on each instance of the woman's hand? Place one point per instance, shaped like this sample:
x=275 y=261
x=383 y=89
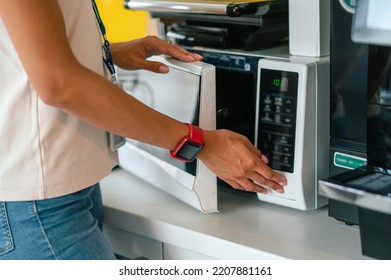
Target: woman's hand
x=132 y=55
x=234 y=159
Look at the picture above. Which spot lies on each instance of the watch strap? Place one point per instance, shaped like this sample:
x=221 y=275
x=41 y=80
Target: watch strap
x=196 y=134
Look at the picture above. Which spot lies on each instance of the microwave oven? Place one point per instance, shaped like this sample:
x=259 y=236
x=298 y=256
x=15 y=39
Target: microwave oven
x=288 y=120
x=293 y=130
x=279 y=102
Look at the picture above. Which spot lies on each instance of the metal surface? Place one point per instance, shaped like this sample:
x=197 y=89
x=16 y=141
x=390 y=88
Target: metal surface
x=231 y=8
x=372 y=22
x=355 y=197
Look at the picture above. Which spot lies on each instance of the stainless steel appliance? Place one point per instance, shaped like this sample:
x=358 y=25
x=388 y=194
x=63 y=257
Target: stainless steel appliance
x=250 y=49
x=349 y=79
x=248 y=25
x=362 y=81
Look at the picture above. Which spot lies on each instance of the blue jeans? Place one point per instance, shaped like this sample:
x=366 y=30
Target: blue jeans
x=61 y=228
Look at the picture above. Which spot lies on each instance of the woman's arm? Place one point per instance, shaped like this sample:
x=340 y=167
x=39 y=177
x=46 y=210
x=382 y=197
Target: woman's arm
x=38 y=33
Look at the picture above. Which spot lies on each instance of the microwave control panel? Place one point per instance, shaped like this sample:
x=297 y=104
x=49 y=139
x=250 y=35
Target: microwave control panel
x=277 y=117
x=292 y=126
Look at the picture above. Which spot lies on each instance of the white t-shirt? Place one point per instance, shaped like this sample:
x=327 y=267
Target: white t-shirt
x=45 y=152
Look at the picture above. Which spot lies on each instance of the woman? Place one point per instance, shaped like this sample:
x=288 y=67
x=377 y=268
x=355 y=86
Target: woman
x=56 y=106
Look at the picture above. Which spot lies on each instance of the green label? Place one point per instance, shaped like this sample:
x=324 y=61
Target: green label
x=348 y=161
x=348 y=5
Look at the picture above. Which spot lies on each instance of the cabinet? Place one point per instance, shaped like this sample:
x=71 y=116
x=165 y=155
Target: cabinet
x=143 y=221
x=132 y=246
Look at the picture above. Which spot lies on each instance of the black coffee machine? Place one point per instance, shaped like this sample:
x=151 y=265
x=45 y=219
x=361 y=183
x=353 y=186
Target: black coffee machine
x=348 y=77
x=360 y=126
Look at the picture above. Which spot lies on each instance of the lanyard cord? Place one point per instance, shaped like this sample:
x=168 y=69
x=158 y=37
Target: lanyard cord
x=108 y=58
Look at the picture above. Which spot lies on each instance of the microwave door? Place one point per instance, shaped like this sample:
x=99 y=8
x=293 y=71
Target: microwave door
x=186 y=93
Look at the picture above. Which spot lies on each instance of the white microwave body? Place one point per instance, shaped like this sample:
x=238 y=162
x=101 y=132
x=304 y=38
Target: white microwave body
x=292 y=126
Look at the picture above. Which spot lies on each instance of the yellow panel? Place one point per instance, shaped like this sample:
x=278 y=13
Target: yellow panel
x=122 y=24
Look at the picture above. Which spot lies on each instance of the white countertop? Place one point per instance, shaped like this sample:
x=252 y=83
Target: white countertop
x=244 y=227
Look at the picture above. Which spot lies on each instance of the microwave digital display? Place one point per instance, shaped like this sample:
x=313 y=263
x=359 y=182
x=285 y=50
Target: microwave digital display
x=280 y=83
x=277 y=118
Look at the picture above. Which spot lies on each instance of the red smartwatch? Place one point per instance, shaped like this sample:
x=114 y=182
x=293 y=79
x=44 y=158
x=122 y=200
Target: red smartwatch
x=189 y=147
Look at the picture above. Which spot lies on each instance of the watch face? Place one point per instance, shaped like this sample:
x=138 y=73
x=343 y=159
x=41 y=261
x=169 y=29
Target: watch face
x=189 y=151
